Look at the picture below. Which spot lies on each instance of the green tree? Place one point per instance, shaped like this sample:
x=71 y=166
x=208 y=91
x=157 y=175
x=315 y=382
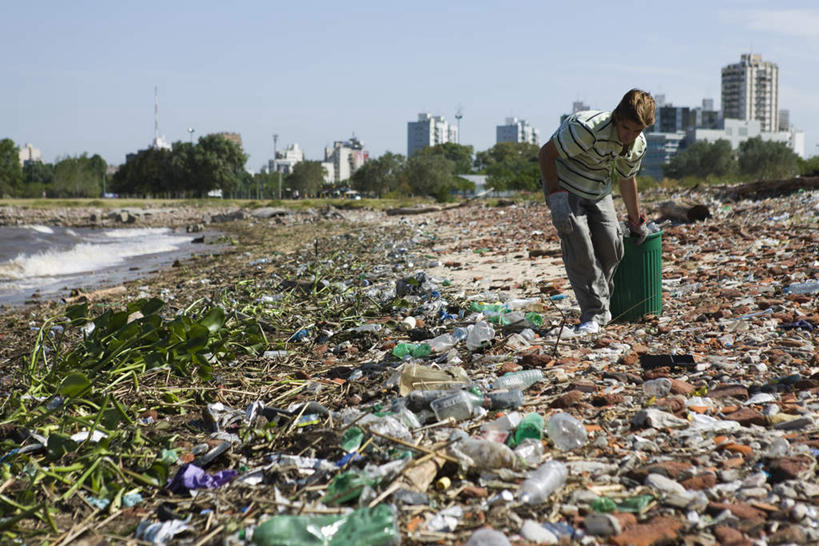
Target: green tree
x=148 y=172
x=767 y=160
x=217 y=163
x=431 y=175
x=307 y=178
x=78 y=176
x=510 y=166
x=379 y=176
x=809 y=167
x=11 y=175
x=702 y=159
x=460 y=155
x=37 y=178
x=269 y=184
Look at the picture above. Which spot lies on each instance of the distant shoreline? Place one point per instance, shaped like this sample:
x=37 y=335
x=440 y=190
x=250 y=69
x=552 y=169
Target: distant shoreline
x=86 y=216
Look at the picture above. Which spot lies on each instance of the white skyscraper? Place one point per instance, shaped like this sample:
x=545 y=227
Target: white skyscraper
x=750 y=90
x=429 y=131
x=517 y=130
x=346 y=157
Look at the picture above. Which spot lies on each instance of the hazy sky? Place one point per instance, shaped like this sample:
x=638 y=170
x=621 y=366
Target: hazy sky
x=79 y=76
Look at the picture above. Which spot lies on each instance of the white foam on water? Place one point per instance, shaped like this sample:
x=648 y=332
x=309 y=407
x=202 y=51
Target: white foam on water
x=135 y=233
x=86 y=257
x=38 y=228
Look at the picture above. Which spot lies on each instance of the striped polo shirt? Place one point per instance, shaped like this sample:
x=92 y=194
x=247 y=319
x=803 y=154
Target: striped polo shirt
x=591 y=154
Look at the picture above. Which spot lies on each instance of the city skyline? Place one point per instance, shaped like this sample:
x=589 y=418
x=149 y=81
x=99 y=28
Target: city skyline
x=82 y=79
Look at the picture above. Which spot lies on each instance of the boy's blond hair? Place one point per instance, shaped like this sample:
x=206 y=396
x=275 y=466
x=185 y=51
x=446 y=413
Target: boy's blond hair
x=637 y=106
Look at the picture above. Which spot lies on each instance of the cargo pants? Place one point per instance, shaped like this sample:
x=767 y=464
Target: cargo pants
x=591 y=253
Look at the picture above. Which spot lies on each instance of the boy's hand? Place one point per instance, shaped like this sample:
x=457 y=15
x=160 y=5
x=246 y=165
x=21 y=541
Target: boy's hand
x=638 y=228
x=562 y=216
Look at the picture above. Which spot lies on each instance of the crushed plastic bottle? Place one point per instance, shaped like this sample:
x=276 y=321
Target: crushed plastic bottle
x=566 y=432
x=479 y=336
x=518 y=380
x=486 y=454
x=487 y=537
x=530 y=452
x=544 y=481
x=658 y=388
x=376 y=526
x=442 y=343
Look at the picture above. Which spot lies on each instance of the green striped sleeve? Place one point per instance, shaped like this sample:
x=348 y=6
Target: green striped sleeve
x=573 y=138
x=629 y=166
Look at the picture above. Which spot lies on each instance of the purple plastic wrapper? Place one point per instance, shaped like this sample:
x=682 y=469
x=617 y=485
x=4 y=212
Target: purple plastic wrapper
x=190 y=476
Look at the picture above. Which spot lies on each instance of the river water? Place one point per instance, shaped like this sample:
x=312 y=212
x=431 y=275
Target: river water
x=50 y=261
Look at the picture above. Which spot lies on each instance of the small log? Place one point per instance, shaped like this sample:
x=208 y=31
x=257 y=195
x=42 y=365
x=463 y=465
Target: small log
x=683 y=211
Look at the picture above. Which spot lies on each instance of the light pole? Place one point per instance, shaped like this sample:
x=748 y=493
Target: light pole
x=458 y=115
x=276 y=163
x=190 y=131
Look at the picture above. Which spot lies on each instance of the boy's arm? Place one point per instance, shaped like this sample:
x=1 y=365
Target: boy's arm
x=548 y=170
x=628 y=190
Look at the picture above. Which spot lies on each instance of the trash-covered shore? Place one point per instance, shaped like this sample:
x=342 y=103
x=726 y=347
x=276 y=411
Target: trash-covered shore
x=365 y=379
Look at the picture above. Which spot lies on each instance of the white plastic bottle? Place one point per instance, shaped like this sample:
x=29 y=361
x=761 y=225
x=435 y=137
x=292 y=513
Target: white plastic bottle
x=548 y=478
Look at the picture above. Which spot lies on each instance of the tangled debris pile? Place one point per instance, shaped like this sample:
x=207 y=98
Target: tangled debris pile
x=350 y=393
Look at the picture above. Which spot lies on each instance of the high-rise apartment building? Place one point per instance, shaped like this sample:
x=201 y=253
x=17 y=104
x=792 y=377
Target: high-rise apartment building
x=286 y=159
x=29 y=153
x=429 y=131
x=750 y=90
x=346 y=156
x=784 y=120
x=517 y=130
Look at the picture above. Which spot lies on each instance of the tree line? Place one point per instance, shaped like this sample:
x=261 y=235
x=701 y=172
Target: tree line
x=216 y=163
x=756 y=159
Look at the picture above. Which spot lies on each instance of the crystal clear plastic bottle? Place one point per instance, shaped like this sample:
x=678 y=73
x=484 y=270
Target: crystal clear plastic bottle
x=418 y=400
x=459 y=405
x=659 y=387
x=518 y=380
x=544 y=481
x=512 y=398
x=566 y=432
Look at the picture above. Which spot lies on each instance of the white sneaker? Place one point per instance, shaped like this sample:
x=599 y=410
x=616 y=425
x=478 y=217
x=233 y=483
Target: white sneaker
x=587 y=328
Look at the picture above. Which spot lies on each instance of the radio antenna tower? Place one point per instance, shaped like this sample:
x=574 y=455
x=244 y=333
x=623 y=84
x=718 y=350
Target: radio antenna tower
x=156 y=114
x=458 y=116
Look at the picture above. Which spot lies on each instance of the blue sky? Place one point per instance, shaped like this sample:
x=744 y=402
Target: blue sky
x=79 y=76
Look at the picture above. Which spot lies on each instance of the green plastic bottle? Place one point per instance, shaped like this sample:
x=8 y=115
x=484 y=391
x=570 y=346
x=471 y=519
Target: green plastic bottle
x=603 y=504
x=347 y=486
x=363 y=527
x=531 y=426
x=403 y=349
